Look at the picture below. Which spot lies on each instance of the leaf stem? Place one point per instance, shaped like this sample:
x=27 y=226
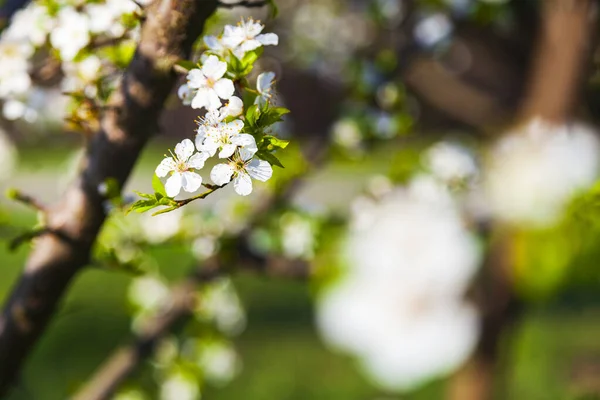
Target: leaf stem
x=181 y=203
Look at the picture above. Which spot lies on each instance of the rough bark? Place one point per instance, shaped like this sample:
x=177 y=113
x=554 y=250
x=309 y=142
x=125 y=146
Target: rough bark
x=168 y=33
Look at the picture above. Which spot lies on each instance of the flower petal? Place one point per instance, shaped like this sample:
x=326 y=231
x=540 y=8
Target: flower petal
x=251 y=28
x=245 y=140
x=167 y=165
x=201 y=99
x=173 y=184
x=191 y=181
x=224 y=88
x=259 y=169
x=232 y=36
x=242 y=184
x=197 y=160
x=185 y=94
x=196 y=79
x=213 y=68
x=264 y=82
x=213 y=42
x=234 y=127
x=268 y=39
x=209 y=146
x=246 y=153
x=184 y=150
x=227 y=150
x=221 y=174
x=213 y=100
x=233 y=108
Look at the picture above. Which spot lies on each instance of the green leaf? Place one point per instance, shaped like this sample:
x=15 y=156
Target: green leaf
x=158 y=186
x=142 y=206
x=271 y=115
x=271 y=143
x=186 y=64
x=265 y=155
x=252 y=114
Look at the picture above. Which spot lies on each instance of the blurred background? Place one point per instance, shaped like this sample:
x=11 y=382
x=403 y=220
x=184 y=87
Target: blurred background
x=439 y=234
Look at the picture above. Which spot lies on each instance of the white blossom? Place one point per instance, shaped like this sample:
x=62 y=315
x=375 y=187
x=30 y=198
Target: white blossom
x=218 y=361
x=220 y=303
x=208 y=84
x=225 y=137
x=14 y=75
x=81 y=75
x=297 y=236
x=450 y=162
x=399 y=305
x=215 y=45
x=264 y=86
x=233 y=108
x=31 y=23
x=148 y=293
x=179 y=386
x=71 y=34
x=160 y=228
x=534 y=171
x=246 y=36
x=241 y=168
x=179 y=166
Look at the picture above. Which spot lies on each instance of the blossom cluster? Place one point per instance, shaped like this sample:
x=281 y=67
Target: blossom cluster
x=64 y=31
x=408 y=261
x=234 y=132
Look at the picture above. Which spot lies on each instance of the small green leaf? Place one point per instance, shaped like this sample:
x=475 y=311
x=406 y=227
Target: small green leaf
x=264 y=155
x=271 y=143
x=186 y=64
x=271 y=115
x=252 y=114
x=158 y=186
x=274 y=9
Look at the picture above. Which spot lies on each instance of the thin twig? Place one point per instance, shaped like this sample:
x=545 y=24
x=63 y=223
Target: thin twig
x=244 y=3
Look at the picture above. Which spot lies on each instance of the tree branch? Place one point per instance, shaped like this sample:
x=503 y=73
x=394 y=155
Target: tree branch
x=167 y=35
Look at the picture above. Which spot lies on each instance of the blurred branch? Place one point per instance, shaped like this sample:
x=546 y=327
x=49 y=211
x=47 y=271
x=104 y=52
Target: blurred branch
x=25 y=199
x=244 y=3
x=168 y=34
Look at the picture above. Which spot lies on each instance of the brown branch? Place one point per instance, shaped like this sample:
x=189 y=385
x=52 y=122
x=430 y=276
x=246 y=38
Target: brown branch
x=167 y=35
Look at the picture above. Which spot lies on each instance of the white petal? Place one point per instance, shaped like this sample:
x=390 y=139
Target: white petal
x=234 y=127
x=224 y=88
x=213 y=68
x=247 y=153
x=265 y=81
x=242 y=184
x=191 y=181
x=259 y=170
x=252 y=28
x=196 y=79
x=201 y=99
x=233 y=108
x=197 y=160
x=213 y=100
x=232 y=36
x=184 y=150
x=167 y=165
x=247 y=46
x=227 y=150
x=173 y=184
x=221 y=174
x=212 y=42
x=185 y=94
x=268 y=39
x=244 y=140
x=209 y=146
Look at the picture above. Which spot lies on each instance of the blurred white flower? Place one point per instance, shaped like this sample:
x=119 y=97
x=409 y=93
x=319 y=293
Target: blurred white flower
x=71 y=34
x=14 y=65
x=219 y=362
x=346 y=133
x=8 y=155
x=534 y=171
x=180 y=168
x=246 y=36
x=162 y=227
x=219 y=302
x=204 y=247
x=433 y=29
x=148 y=293
x=399 y=306
x=264 y=86
x=402 y=336
x=31 y=23
x=297 y=236
x=450 y=162
x=81 y=75
x=179 y=386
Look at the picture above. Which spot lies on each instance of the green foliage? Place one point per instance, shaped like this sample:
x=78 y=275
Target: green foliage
x=150 y=201
x=238 y=69
x=186 y=64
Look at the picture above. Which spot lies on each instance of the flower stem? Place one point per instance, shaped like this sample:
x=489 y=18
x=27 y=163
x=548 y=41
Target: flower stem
x=181 y=203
